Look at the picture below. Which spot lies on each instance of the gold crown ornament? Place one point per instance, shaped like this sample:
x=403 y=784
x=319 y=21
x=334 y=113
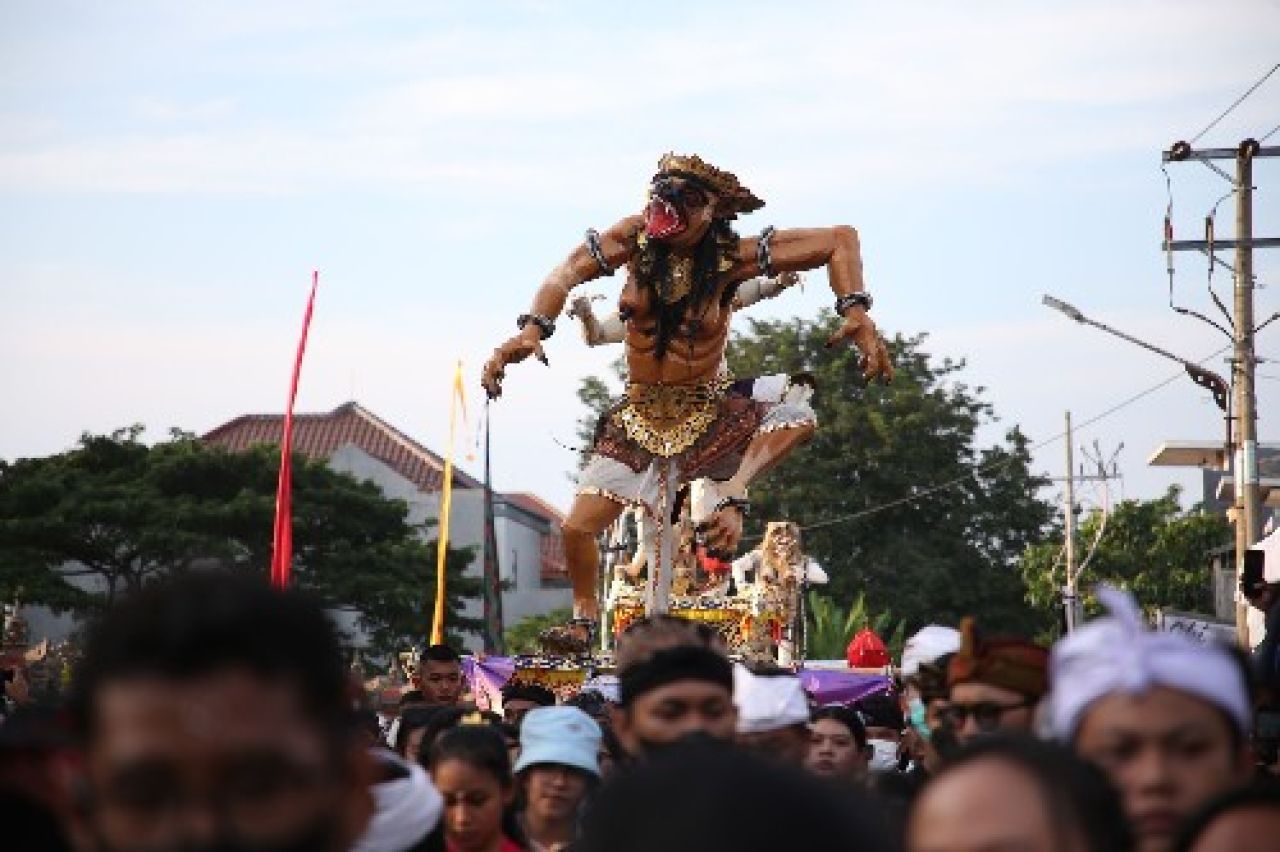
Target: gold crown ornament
x=733 y=194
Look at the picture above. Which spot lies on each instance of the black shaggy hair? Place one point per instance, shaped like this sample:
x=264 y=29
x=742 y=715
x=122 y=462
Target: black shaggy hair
x=197 y=625
x=653 y=265
x=1078 y=795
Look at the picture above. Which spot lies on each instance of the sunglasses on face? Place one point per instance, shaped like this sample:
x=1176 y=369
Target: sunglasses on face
x=986 y=714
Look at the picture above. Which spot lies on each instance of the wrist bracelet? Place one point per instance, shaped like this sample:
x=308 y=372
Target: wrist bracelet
x=596 y=252
x=851 y=300
x=764 y=253
x=546 y=325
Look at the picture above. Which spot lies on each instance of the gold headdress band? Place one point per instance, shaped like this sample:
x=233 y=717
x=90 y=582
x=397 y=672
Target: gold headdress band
x=734 y=195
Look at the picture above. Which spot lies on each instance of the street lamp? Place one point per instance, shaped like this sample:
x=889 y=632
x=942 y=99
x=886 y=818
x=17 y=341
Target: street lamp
x=1059 y=305
x=1206 y=379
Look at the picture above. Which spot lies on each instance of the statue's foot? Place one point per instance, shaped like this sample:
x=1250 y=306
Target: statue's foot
x=718 y=510
x=586 y=609
x=571 y=639
x=722 y=531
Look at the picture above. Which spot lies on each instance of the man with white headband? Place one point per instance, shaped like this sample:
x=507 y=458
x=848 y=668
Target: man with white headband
x=1166 y=716
x=773 y=714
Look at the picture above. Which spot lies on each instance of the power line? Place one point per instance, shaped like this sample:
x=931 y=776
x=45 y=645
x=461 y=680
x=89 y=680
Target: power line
x=1237 y=103
x=1270 y=133
x=996 y=466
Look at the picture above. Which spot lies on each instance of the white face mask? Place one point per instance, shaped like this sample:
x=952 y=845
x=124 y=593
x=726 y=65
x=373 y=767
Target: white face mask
x=884 y=755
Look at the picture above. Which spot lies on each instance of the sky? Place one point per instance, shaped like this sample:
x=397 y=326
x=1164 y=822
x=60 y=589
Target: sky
x=171 y=173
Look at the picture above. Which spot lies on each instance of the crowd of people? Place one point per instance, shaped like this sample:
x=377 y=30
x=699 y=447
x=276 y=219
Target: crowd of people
x=214 y=713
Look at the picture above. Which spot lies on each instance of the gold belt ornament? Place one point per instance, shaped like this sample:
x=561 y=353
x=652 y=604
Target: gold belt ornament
x=666 y=420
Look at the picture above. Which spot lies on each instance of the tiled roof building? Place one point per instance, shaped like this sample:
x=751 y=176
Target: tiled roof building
x=318 y=436
x=352 y=439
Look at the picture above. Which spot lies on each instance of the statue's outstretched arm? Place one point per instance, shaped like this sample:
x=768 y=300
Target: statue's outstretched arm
x=760 y=288
x=800 y=249
x=596 y=331
x=599 y=255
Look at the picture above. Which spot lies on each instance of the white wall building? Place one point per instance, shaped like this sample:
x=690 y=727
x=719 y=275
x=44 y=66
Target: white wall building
x=353 y=440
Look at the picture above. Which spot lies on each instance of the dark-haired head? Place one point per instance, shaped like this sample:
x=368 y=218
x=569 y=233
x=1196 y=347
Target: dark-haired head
x=882 y=715
x=519 y=698
x=411 y=732
x=837 y=744
x=710 y=798
x=441 y=720
x=845 y=716
x=440 y=675
x=1235 y=819
x=471 y=767
x=479 y=746
x=193 y=685
x=194 y=626
x=983 y=782
x=674 y=681
x=441 y=654
x=593 y=703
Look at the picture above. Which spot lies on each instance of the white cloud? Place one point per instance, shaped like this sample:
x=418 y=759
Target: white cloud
x=825 y=103
x=863 y=95
x=168 y=111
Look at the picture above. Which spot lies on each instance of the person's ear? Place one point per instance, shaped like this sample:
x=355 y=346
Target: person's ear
x=620 y=718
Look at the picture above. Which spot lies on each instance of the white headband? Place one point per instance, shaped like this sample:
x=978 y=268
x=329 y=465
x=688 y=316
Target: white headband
x=1118 y=654
x=927 y=645
x=768 y=703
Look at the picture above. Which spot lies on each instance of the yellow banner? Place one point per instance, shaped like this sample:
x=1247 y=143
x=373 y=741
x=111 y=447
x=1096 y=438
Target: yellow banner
x=456 y=399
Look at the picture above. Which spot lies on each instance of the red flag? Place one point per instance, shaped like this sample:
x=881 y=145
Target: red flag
x=282 y=537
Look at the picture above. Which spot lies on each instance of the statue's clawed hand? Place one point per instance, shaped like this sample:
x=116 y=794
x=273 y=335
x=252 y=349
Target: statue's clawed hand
x=527 y=342
x=859 y=330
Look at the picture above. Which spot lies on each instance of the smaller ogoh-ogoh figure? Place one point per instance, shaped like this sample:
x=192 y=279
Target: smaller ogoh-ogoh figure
x=773 y=577
x=683 y=416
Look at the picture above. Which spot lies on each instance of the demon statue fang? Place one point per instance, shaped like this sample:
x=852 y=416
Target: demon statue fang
x=683 y=416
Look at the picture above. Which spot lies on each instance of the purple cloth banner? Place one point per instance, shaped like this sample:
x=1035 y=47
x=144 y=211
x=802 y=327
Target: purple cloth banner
x=486 y=677
x=837 y=687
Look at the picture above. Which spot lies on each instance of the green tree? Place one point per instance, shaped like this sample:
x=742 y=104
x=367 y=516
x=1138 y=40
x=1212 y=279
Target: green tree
x=79 y=528
x=830 y=630
x=596 y=394
x=867 y=485
x=1151 y=547
x=522 y=637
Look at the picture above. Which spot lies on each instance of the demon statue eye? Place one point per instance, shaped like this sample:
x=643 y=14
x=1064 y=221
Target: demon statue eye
x=692 y=197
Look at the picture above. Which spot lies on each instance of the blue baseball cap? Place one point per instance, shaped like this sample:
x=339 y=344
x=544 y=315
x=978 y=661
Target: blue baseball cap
x=560 y=735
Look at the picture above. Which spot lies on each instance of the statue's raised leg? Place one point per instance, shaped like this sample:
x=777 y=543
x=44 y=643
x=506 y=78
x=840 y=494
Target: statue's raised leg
x=723 y=527
x=590 y=515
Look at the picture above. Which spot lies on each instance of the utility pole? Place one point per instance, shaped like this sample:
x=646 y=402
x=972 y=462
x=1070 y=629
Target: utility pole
x=1071 y=607
x=1069 y=595
x=1248 y=498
